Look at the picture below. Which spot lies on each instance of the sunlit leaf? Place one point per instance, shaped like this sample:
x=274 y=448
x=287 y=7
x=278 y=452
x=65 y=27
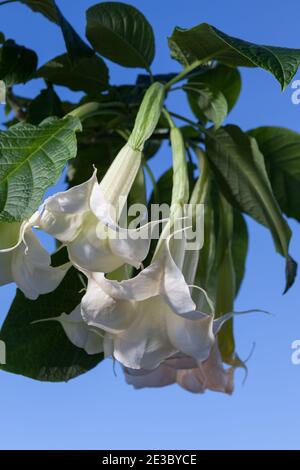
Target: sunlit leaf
x=32 y=159
x=205 y=42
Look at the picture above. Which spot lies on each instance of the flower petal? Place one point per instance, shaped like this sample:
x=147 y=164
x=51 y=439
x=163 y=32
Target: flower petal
x=102 y=311
x=91 y=250
x=145 y=344
x=161 y=277
x=62 y=214
x=216 y=377
x=143 y=286
x=209 y=375
x=31 y=268
x=133 y=245
x=173 y=287
x=159 y=377
x=191 y=337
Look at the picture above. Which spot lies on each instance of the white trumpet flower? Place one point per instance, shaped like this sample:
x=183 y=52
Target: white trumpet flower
x=23 y=260
x=194 y=376
x=85 y=218
x=149 y=318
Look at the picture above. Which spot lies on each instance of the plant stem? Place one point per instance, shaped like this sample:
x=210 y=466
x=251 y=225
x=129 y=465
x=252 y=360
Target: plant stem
x=12 y=100
x=168 y=118
x=91 y=109
x=192 y=123
x=183 y=73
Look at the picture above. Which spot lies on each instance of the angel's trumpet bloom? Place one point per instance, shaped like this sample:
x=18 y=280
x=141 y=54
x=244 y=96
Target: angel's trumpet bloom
x=85 y=218
x=196 y=377
x=23 y=260
x=149 y=318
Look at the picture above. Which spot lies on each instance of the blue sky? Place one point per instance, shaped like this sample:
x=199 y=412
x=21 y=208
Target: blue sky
x=99 y=410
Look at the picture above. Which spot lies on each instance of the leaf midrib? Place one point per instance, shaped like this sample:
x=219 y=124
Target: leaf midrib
x=27 y=160
x=146 y=65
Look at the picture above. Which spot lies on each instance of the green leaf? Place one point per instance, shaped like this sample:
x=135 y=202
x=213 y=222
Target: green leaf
x=205 y=42
x=42 y=351
x=46 y=104
x=213 y=93
x=239 y=248
x=89 y=75
x=208 y=252
x=31 y=160
x=239 y=166
x=208 y=103
x=281 y=149
x=17 y=63
x=220 y=264
x=45 y=7
x=225 y=280
x=76 y=47
x=121 y=33
x=223 y=78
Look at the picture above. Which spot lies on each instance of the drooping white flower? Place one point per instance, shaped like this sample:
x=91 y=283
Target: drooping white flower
x=85 y=218
x=149 y=318
x=23 y=260
x=194 y=376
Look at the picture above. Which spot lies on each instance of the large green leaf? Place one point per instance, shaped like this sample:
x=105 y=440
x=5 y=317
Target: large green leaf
x=281 y=149
x=239 y=166
x=76 y=47
x=32 y=159
x=42 y=351
x=207 y=102
x=17 y=63
x=121 y=33
x=46 y=104
x=225 y=280
x=221 y=264
x=89 y=75
x=205 y=42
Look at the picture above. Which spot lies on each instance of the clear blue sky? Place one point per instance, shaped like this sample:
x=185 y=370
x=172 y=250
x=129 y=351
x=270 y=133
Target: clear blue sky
x=99 y=410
